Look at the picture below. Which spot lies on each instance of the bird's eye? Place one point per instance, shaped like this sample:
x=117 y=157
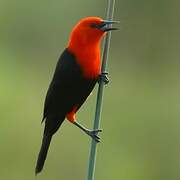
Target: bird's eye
x=93 y=25
x=97 y=26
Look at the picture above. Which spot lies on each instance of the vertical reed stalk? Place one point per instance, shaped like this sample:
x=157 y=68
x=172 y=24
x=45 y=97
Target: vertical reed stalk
x=92 y=157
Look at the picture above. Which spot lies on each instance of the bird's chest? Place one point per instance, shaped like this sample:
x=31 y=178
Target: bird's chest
x=90 y=65
x=91 y=69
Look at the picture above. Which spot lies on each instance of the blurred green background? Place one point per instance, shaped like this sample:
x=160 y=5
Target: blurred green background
x=141 y=112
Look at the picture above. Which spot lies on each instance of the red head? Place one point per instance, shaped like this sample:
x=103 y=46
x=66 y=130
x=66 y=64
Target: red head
x=84 y=34
x=84 y=42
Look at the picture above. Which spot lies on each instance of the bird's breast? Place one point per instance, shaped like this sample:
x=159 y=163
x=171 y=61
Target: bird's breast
x=88 y=58
x=91 y=69
x=89 y=62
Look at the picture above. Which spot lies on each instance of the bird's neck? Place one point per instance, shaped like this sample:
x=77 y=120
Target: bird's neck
x=87 y=56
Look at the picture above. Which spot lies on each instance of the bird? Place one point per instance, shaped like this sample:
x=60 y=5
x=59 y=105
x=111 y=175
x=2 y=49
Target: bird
x=77 y=72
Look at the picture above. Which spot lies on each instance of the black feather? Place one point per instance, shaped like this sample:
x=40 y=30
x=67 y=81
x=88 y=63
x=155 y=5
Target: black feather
x=43 y=153
x=68 y=88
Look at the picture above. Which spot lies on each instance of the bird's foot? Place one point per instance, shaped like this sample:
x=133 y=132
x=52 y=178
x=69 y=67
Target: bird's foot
x=103 y=77
x=94 y=134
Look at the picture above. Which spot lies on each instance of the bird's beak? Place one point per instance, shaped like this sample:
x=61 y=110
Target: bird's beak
x=106 y=25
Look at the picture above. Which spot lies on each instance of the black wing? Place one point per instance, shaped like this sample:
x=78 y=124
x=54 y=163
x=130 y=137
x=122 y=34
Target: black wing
x=68 y=88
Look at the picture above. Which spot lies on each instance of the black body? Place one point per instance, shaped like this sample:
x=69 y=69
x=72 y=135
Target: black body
x=68 y=88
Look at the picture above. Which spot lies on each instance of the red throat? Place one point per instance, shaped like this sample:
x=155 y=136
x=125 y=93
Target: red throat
x=84 y=43
x=88 y=58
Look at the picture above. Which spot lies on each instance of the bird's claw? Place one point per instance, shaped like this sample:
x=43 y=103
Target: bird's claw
x=93 y=134
x=103 y=77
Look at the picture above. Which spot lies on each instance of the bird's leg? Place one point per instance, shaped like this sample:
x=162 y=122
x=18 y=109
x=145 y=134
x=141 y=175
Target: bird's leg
x=103 y=77
x=92 y=133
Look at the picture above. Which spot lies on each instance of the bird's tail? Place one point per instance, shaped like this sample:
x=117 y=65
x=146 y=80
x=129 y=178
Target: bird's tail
x=43 y=153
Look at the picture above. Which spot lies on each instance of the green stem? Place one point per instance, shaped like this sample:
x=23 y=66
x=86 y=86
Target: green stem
x=92 y=157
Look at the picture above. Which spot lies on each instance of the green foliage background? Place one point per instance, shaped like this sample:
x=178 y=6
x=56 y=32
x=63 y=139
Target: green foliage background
x=141 y=113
